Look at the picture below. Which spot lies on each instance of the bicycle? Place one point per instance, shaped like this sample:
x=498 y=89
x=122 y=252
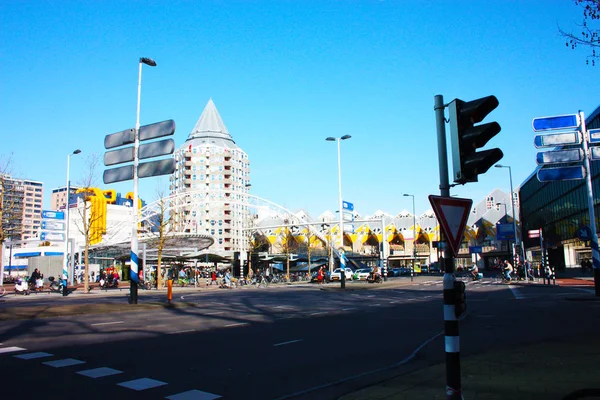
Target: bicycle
x=501 y=277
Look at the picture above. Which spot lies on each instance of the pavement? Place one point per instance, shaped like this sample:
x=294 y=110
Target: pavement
x=566 y=368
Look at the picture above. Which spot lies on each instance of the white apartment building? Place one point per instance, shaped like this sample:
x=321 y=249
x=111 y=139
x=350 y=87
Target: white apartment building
x=210 y=166
x=22 y=204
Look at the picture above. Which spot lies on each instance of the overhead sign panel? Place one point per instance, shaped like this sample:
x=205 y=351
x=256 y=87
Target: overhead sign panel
x=119 y=139
x=561 y=173
x=156 y=168
x=560 y=156
x=452 y=214
x=557 y=139
x=157 y=129
x=558 y=122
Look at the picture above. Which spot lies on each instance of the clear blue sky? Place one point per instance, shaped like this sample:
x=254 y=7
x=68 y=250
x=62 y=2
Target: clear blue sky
x=285 y=75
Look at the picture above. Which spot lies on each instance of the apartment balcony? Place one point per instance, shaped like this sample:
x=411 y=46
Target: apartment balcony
x=188 y=163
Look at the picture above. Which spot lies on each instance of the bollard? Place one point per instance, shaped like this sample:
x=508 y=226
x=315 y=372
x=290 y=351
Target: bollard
x=170 y=290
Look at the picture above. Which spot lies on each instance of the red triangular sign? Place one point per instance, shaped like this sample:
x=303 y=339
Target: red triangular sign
x=452 y=213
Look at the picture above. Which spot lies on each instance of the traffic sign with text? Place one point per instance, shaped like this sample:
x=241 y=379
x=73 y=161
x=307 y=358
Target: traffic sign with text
x=452 y=214
x=533 y=233
x=561 y=173
x=347 y=206
x=559 y=156
x=557 y=139
x=554 y=123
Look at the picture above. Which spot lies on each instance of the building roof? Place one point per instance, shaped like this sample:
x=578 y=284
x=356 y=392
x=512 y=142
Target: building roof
x=211 y=127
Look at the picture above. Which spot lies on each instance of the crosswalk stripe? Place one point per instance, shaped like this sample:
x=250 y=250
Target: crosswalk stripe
x=142 y=384
x=31 y=356
x=193 y=395
x=11 y=349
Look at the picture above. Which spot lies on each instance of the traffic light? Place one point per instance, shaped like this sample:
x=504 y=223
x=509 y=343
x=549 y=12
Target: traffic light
x=468 y=137
x=460 y=305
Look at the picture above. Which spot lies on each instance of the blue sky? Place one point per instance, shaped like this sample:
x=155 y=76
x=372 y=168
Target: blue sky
x=284 y=75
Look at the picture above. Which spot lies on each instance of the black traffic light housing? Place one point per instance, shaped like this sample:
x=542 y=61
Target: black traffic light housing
x=468 y=137
x=460 y=305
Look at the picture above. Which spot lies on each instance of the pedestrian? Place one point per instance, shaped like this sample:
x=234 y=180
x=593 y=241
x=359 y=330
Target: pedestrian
x=320 y=276
x=213 y=278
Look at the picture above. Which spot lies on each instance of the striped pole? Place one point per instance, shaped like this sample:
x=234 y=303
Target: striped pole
x=451 y=337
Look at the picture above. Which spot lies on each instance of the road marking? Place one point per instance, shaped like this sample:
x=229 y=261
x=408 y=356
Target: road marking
x=142 y=384
x=318 y=313
x=99 y=372
x=10 y=349
x=515 y=292
x=239 y=324
x=215 y=313
x=193 y=395
x=393 y=302
x=348 y=309
x=108 y=323
x=66 y=362
x=185 y=331
x=31 y=356
x=288 y=342
x=374 y=305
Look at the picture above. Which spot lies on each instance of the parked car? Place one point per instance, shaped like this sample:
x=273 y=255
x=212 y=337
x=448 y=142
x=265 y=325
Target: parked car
x=393 y=272
x=361 y=274
x=424 y=269
x=336 y=274
x=434 y=268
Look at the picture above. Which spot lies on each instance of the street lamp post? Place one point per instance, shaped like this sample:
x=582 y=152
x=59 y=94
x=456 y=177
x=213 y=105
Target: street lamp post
x=133 y=292
x=342 y=268
x=412 y=268
x=67 y=223
x=512 y=204
x=505 y=216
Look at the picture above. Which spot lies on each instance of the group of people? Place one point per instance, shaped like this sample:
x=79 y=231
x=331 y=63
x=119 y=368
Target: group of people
x=586 y=265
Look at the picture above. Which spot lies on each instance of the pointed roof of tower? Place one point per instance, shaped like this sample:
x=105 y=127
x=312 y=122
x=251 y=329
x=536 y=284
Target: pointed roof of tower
x=210 y=124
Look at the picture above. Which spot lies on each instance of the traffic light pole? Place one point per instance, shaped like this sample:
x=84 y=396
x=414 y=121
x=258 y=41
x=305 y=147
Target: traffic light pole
x=451 y=334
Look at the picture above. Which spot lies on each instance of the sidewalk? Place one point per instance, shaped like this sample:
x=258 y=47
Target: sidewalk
x=560 y=368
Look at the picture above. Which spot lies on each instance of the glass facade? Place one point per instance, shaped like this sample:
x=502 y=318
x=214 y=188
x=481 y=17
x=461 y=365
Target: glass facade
x=559 y=208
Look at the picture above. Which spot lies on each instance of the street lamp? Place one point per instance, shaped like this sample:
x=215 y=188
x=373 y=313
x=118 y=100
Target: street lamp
x=412 y=269
x=136 y=145
x=512 y=204
x=505 y=216
x=338 y=140
x=67 y=222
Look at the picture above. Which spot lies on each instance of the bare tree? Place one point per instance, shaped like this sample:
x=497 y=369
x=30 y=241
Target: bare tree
x=590 y=34
x=92 y=212
x=288 y=245
x=161 y=226
x=312 y=243
x=11 y=204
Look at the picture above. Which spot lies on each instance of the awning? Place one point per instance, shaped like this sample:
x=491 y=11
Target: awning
x=15 y=267
x=53 y=253
x=30 y=254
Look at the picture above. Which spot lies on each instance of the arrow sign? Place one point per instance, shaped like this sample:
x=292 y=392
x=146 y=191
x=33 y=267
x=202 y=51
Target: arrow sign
x=53 y=225
x=347 y=206
x=557 y=139
x=561 y=173
x=553 y=123
x=559 y=156
x=452 y=213
x=594 y=135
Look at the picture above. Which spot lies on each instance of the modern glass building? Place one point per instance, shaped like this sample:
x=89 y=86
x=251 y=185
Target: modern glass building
x=559 y=209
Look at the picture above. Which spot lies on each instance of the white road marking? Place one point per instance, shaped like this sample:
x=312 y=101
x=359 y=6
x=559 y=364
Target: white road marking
x=215 y=313
x=99 y=372
x=348 y=309
x=318 y=313
x=288 y=342
x=239 y=324
x=193 y=395
x=11 y=349
x=66 y=362
x=515 y=292
x=185 y=331
x=31 y=356
x=108 y=323
x=142 y=384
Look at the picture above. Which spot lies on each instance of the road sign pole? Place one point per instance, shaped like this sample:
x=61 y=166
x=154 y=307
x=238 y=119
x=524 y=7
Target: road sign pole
x=590 y=198
x=451 y=333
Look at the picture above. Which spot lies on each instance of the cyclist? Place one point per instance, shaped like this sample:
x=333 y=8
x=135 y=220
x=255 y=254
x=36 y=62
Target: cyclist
x=508 y=269
x=474 y=272
x=227 y=279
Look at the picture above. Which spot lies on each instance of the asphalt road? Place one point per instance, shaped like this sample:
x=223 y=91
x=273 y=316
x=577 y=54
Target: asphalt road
x=271 y=343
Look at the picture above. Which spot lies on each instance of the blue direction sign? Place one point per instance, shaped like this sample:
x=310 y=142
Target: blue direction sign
x=49 y=214
x=53 y=236
x=560 y=156
x=347 y=206
x=595 y=153
x=53 y=225
x=475 y=249
x=561 y=173
x=594 y=136
x=553 y=123
x=557 y=139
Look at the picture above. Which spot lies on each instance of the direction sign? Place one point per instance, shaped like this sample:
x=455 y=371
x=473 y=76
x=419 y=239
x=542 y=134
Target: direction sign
x=559 y=156
x=584 y=233
x=145 y=170
x=475 y=249
x=348 y=216
x=53 y=214
x=347 y=206
x=146 y=150
x=452 y=214
x=505 y=232
x=53 y=225
x=558 y=122
x=594 y=136
x=349 y=228
x=534 y=233
x=53 y=236
x=595 y=153
x=561 y=173
x=557 y=139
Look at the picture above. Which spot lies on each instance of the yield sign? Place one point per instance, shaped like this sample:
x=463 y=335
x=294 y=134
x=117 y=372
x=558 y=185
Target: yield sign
x=452 y=214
